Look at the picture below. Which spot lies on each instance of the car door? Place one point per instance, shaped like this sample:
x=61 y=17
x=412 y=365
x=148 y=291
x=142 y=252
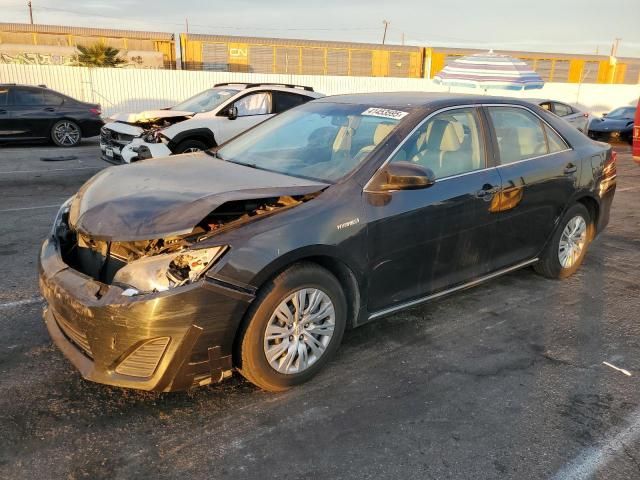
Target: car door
x=539 y=172
x=253 y=108
x=5 y=113
x=31 y=118
x=568 y=114
x=423 y=241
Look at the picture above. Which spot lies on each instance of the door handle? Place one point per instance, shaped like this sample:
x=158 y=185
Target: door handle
x=49 y=109
x=487 y=190
x=570 y=168
x=2 y=111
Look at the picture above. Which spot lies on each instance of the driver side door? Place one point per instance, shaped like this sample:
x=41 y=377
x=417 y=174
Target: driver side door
x=424 y=241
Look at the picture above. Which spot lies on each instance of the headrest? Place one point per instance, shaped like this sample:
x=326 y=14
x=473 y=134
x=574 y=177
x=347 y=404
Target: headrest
x=450 y=139
x=382 y=130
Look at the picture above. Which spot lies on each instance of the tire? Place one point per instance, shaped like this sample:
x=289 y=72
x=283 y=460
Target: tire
x=252 y=361
x=187 y=146
x=550 y=264
x=66 y=133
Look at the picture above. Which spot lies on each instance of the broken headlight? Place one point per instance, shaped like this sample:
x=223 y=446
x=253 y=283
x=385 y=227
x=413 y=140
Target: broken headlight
x=61 y=216
x=168 y=270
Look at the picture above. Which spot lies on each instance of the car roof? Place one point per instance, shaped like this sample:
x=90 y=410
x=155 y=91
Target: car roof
x=419 y=99
x=242 y=87
x=44 y=87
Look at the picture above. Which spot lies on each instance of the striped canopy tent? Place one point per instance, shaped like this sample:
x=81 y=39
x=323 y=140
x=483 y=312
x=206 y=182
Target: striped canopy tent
x=488 y=71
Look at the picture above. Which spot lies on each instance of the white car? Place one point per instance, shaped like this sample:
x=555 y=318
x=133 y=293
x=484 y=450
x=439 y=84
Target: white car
x=568 y=113
x=204 y=121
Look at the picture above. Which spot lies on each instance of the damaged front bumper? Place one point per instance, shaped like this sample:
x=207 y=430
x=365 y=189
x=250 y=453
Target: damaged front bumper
x=164 y=341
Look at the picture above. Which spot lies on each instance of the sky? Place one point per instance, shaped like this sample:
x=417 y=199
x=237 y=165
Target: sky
x=569 y=26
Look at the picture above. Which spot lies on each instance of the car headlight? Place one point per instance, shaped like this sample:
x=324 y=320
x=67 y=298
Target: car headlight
x=168 y=270
x=63 y=212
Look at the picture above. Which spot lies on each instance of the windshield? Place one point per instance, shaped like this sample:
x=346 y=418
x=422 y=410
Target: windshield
x=624 y=112
x=322 y=141
x=205 y=101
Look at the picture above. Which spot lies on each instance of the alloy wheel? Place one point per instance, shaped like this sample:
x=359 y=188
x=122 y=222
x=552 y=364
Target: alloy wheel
x=299 y=331
x=66 y=133
x=572 y=241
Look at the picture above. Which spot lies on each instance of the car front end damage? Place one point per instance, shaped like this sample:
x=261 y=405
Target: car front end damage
x=153 y=314
x=122 y=139
x=175 y=335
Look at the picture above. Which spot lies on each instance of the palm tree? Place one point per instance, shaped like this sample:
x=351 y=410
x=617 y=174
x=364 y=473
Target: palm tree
x=98 y=55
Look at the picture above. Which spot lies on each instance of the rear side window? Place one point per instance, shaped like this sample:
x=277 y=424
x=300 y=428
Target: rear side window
x=283 y=101
x=556 y=143
x=562 y=110
x=449 y=143
x=52 y=99
x=4 y=97
x=27 y=97
x=520 y=134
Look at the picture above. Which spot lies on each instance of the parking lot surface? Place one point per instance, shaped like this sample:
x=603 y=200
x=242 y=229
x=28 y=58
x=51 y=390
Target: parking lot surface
x=505 y=380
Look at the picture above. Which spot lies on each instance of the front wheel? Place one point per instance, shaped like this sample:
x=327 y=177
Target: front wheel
x=66 y=133
x=294 y=327
x=190 y=146
x=566 y=250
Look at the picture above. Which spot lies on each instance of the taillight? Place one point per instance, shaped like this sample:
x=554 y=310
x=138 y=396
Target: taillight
x=609 y=169
x=95 y=111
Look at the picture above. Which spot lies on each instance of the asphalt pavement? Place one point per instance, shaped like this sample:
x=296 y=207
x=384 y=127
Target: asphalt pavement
x=502 y=381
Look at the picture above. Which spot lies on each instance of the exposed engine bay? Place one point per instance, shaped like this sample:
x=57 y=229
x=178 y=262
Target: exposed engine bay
x=103 y=259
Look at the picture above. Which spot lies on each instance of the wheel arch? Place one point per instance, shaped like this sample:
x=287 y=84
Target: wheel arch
x=201 y=134
x=592 y=205
x=325 y=257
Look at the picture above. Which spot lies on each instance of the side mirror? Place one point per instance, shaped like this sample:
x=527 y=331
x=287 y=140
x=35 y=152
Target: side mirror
x=404 y=176
x=232 y=113
x=604 y=115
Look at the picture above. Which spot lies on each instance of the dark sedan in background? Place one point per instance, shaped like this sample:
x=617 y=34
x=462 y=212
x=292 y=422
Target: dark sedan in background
x=170 y=273
x=617 y=125
x=36 y=113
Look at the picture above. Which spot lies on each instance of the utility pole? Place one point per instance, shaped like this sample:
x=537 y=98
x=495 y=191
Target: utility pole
x=614 y=47
x=30 y=12
x=384 y=35
x=402 y=38
x=186 y=21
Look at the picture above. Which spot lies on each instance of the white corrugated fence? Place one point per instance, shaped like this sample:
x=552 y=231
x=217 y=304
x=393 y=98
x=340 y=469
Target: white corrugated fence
x=124 y=90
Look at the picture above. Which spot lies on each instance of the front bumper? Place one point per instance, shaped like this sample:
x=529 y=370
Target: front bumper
x=130 y=152
x=181 y=338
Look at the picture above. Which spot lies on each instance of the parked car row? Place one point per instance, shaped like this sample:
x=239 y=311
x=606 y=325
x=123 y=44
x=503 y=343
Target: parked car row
x=255 y=256
x=206 y=120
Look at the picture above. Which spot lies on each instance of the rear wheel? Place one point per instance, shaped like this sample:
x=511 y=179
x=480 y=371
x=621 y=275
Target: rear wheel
x=189 y=146
x=294 y=327
x=566 y=250
x=66 y=133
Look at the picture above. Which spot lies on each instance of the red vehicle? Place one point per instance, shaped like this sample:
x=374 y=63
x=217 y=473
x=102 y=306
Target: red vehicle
x=636 y=136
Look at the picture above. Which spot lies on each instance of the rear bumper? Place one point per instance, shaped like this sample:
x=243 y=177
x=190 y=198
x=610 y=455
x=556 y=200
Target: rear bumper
x=91 y=128
x=165 y=341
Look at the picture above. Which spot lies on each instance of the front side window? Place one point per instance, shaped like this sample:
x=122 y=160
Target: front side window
x=520 y=134
x=450 y=143
x=254 y=104
x=623 y=113
x=4 y=96
x=205 y=101
x=322 y=141
x=27 y=97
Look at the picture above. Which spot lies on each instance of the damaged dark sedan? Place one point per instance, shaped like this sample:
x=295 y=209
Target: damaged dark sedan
x=172 y=273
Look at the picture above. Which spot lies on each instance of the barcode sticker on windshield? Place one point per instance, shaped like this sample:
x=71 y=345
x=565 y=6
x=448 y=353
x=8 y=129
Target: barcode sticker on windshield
x=385 y=113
